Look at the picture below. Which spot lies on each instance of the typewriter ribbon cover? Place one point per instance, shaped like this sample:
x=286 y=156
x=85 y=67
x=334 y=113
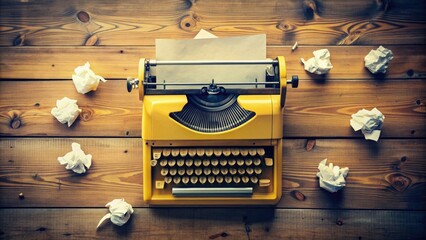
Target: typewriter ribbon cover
x=212 y=140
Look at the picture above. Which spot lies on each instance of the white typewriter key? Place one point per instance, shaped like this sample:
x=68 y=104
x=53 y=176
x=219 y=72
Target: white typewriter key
x=171 y=162
x=163 y=162
x=159 y=184
x=244 y=152
x=189 y=171
x=194 y=179
x=214 y=162
x=198 y=171
x=197 y=162
x=223 y=162
x=264 y=182
x=231 y=162
x=269 y=162
x=206 y=162
x=172 y=171
x=183 y=152
x=210 y=179
x=228 y=179
x=189 y=162
x=249 y=162
x=180 y=162
x=257 y=161
x=168 y=179
x=235 y=151
x=226 y=152
x=260 y=151
x=217 y=152
x=241 y=171
x=175 y=152
x=233 y=171
x=252 y=151
x=219 y=179
x=181 y=171
x=240 y=162
x=258 y=170
x=192 y=152
x=164 y=172
x=203 y=179
x=236 y=179
x=153 y=163
x=249 y=171
x=185 y=179
x=176 y=179
x=209 y=152
x=156 y=153
x=224 y=171
x=166 y=152
x=215 y=171
x=254 y=179
x=245 y=179
x=207 y=171
x=200 y=152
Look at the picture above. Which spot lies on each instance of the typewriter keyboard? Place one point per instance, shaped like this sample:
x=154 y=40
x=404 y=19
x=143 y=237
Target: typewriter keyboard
x=220 y=171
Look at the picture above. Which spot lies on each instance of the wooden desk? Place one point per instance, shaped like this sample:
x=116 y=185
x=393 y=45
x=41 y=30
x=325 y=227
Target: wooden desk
x=43 y=41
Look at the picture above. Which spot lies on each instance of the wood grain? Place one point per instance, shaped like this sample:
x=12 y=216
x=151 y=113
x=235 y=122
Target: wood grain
x=312 y=110
x=52 y=63
x=134 y=23
x=385 y=175
x=214 y=223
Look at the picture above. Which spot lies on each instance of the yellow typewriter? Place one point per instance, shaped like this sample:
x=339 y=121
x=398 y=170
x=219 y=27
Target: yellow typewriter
x=217 y=144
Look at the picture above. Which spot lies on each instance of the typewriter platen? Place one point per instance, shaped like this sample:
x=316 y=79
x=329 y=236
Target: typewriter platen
x=218 y=144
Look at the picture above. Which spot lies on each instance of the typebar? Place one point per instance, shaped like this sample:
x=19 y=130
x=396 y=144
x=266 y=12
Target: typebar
x=208 y=192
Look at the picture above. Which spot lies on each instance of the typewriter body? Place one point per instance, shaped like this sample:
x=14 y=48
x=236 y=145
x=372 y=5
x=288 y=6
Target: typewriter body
x=214 y=145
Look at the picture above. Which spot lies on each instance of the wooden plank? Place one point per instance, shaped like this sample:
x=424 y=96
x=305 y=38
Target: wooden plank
x=385 y=175
x=214 y=223
x=120 y=62
x=140 y=23
x=312 y=110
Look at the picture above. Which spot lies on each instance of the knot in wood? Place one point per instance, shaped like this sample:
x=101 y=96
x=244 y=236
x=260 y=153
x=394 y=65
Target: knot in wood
x=15 y=120
x=310 y=9
x=398 y=181
x=339 y=222
x=83 y=17
x=188 y=23
x=310 y=144
x=86 y=114
x=92 y=40
x=298 y=195
x=19 y=40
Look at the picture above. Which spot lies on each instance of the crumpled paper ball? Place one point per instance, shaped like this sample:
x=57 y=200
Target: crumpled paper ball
x=76 y=160
x=85 y=80
x=66 y=111
x=377 y=60
x=331 y=178
x=120 y=212
x=369 y=122
x=320 y=63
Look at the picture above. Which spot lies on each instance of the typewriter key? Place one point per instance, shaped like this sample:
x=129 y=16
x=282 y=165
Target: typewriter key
x=168 y=179
x=226 y=152
x=183 y=152
x=210 y=179
x=180 y=162
x=192 y=152
x=244 y=152
x=236 y=179
x=260 y=151
x=189 y=171
x=249 y=171
x=159 y=184
x=264 y=182
x=252 y=151
x=203 y=179
x=224 y=171
x=176 y=179
x=219 y=179
x=198 y=171
x=189 y=162
x=197 y=162
x=233 y=171
x=240 y=162
x=258 y=171
x=181 y=171
x=249 y=162
x=257 y=161
x=200 y=152
x=175 y=152
x=209 y=152
x=214 y=162
x=269 y=162
x=166 y=152
x=172 y=171
x=215 y=171
x=241 y=171
x=207 y=171
x=228 y=179
x=153 y=163
x=163 y=162
x=254 y=179
x=171 y=162
x=164 y=172
x=156 y=153
x=206 y=162
x=194 y=179
x=217 y=152
x=223 y=162
x=185 y=179
x=235 y=151
x=231 y=162
x=245 y=179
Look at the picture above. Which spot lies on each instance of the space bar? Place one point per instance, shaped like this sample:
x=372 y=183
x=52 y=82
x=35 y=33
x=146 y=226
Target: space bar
x=208 y=192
